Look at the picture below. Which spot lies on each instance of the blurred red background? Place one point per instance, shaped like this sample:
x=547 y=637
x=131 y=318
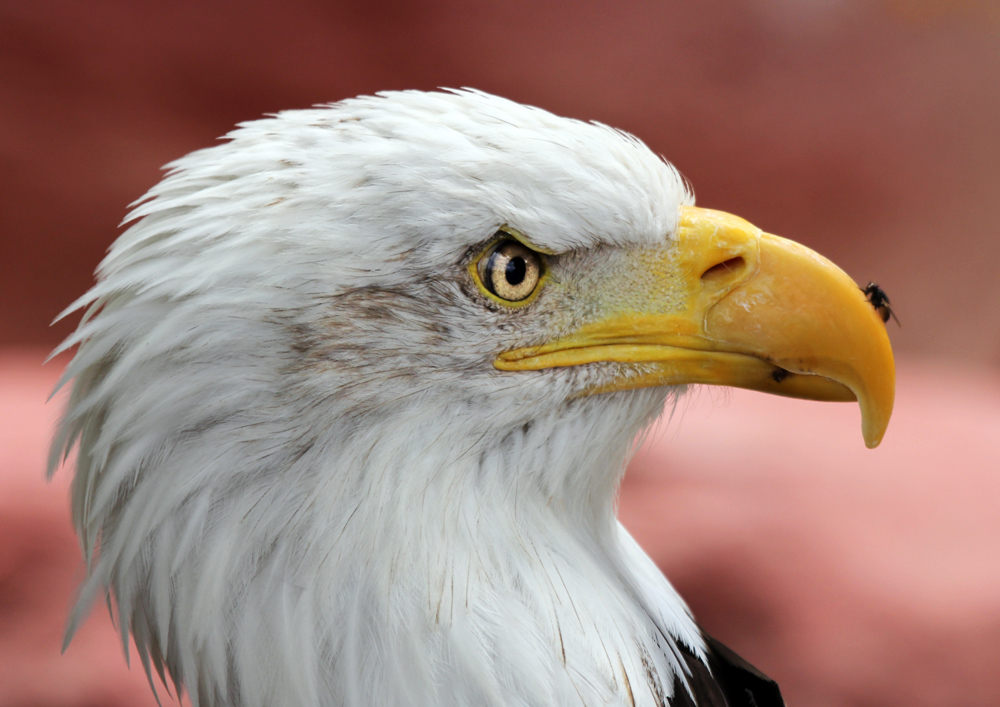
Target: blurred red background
x=867 y=130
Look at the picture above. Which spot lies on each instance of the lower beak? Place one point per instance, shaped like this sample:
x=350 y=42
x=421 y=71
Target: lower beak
x=725 y=304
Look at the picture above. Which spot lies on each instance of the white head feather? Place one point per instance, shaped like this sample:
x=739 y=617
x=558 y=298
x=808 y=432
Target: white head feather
x=299 y=474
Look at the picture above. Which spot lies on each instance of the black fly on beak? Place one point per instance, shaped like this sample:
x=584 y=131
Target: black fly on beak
x=880 y=301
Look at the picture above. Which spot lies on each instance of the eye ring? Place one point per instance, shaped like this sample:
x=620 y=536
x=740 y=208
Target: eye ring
x=510 y=271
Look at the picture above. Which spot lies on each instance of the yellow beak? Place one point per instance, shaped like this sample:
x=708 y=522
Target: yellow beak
x=725 y=304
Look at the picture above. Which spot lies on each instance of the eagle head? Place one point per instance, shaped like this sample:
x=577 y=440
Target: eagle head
x=353 y=394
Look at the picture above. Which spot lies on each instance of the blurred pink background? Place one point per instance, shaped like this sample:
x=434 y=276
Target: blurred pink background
x=866 y=129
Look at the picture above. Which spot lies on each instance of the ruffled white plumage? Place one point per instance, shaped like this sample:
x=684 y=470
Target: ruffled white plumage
x=304 y=481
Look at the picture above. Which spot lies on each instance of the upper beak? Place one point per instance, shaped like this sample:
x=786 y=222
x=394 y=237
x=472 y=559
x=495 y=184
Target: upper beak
x=725 y=304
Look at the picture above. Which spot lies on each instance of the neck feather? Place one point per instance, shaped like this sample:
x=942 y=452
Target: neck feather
x=358 y=568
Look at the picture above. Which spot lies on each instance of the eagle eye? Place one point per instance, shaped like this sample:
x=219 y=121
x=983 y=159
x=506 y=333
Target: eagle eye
x=510 y=270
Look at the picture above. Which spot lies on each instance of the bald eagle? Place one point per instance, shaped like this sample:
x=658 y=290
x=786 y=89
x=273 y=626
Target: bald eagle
x=354 y=392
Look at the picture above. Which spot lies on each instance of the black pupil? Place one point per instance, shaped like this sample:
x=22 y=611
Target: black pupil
x=516 y=270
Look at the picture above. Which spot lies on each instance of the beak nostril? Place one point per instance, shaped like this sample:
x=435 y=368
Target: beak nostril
x=724 y=268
